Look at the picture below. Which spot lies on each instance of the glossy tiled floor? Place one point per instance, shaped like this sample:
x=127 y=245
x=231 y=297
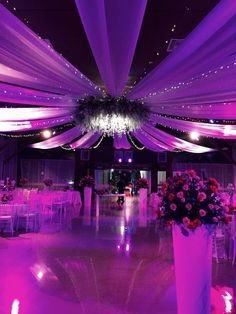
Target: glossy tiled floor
x=116 y=264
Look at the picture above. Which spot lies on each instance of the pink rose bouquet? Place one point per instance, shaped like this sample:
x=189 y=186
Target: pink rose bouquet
x=190 y=201
x=87 y=181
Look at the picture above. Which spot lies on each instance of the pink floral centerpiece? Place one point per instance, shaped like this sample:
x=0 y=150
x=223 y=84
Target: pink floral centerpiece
x=190 y=201
x=48 y=182
x=8 y=184
x=101 y=192
x=23 y=181
x=6 y=198
x=87 y=181
x=193 y=207
x=142 y=183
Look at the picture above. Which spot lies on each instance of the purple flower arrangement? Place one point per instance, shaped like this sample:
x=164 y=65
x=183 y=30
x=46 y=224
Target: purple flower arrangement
x=23 y=181
x=101 y=192
x=6 y=198
x=48 y=182
x=190 y=201
x=142 y=183
x=87 y=181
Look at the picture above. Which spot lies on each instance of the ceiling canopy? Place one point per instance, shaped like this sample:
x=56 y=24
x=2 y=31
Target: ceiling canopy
x=41 y=89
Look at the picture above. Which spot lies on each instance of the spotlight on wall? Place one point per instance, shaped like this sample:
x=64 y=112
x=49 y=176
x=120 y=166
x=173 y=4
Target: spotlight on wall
x=120 y=160
x=130 y=160
x=47 y=133
x=194 y=136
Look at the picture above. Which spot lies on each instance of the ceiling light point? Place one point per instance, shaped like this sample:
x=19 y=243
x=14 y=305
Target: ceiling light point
x=194 y=136
x=47 y=133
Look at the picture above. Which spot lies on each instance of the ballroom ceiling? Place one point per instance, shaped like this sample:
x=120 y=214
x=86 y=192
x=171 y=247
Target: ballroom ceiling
x=59 y=21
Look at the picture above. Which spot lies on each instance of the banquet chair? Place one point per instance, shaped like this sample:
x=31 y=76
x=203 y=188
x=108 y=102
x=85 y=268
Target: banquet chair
x=233 y=234
x=47 y=206
x=219 y=243
x=60 y=205
x=76 y=202
x=6 y=217
x=29 y=217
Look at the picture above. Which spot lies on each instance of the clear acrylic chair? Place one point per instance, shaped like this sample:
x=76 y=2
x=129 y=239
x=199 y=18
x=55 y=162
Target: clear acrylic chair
x=60 y=207
x=233 y=234
x=28 y=217
x=219 y=243
x=7 y=218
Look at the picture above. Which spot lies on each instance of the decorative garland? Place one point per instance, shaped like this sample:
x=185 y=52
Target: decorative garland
x=110 y=115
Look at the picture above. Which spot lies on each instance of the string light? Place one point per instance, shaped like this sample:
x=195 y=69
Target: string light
x=26 y=20
x=100 y=141
x=193 y=79
x=67 y=148
x=37 y=133
x=136 y=146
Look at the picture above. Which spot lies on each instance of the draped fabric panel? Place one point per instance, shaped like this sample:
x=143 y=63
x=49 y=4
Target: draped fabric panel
x=204 y=129
x=150 y=142
x=29 y=61
x=86 y=141
x=212 y=111
x=21 y=114
x=198 y=78
x=112 y=28
x=175 y=142
x=59 y=140
x=208 y=47
x=19 y=95
x=121 y=142
x=33 y=118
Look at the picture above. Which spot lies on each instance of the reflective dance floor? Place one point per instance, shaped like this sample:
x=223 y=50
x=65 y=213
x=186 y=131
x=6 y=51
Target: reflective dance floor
x=117 y=263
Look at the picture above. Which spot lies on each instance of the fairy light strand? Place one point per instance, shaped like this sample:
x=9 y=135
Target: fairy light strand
x=136 y=146
x=100 y=141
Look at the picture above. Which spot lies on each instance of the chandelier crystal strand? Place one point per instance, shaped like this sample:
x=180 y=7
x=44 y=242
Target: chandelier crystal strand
x=110 y=116
x=112 y=124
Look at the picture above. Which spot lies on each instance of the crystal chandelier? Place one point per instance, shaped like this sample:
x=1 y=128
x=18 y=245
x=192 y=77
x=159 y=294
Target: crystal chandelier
x=113 y=123
x=110 y=116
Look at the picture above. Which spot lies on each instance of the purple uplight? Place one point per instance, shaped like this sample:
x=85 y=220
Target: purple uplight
x=127 y=247
x=120 y=160
x=130 y=160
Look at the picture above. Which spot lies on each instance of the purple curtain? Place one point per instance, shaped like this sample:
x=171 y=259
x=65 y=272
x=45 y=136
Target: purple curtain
x=121 y=142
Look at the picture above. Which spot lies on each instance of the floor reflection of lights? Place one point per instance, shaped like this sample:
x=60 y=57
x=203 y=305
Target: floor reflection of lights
x=123 y=266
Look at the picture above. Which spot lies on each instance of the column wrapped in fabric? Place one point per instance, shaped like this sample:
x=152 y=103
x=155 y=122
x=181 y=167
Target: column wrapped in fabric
x=193 y=267
x=143 y=201
x=87 y=200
